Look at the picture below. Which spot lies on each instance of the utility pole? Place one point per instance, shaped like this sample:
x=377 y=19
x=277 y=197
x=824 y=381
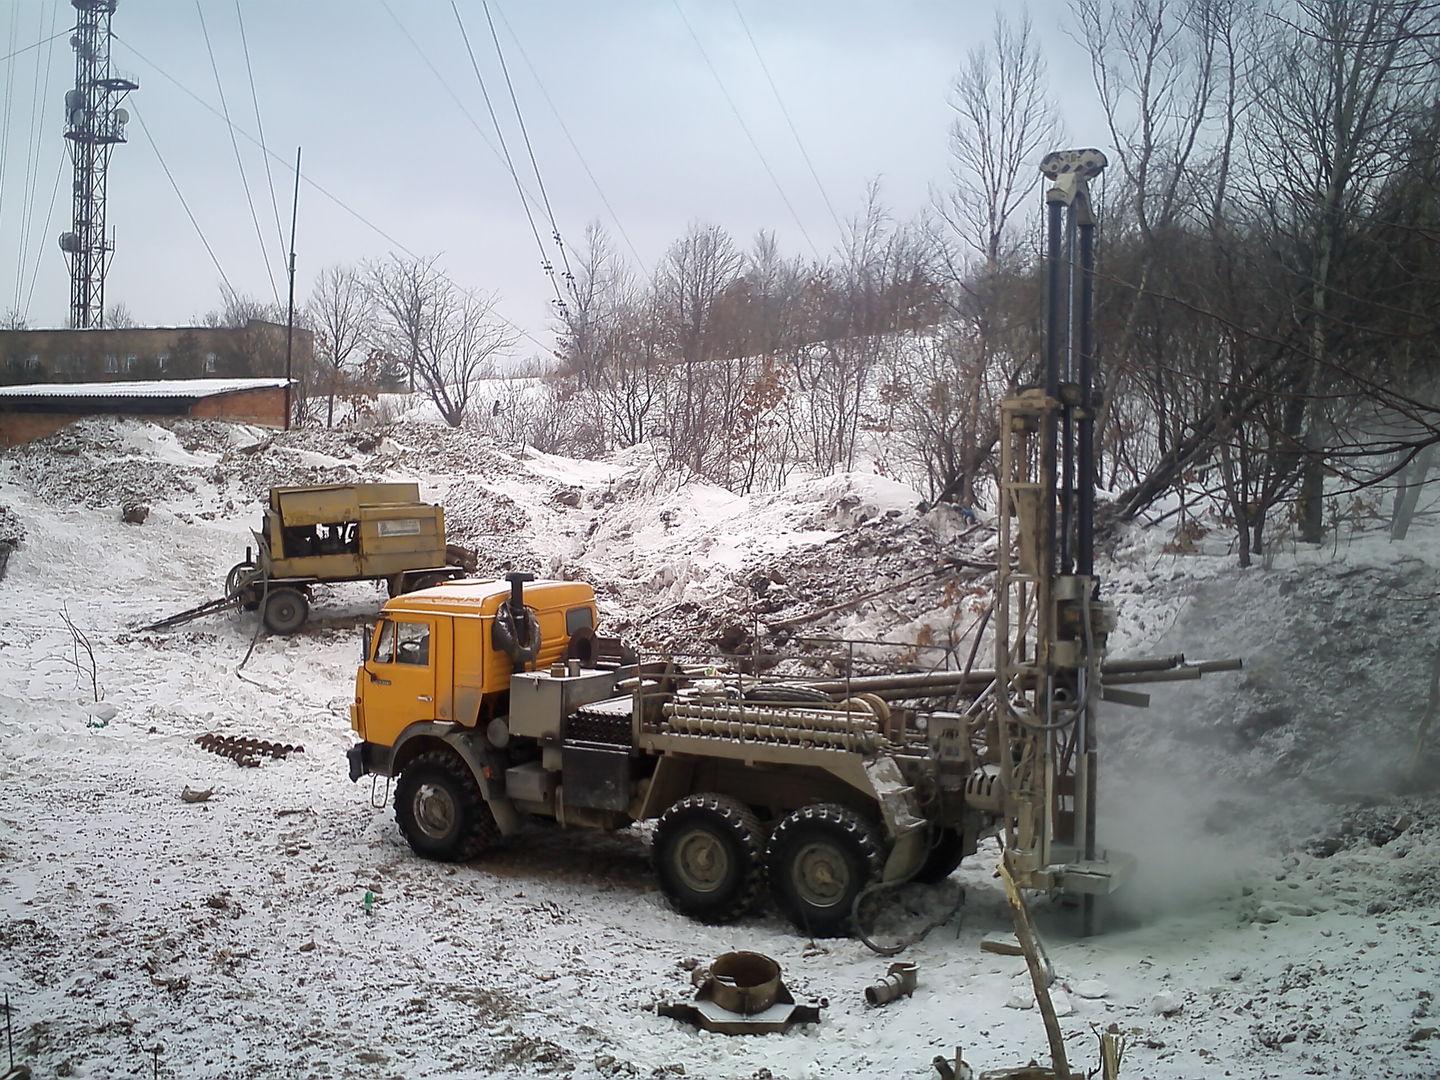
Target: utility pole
x=290 y=316
x=94 y=124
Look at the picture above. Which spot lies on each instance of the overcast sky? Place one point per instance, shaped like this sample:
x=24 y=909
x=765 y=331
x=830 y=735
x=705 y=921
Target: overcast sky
x=865 y=83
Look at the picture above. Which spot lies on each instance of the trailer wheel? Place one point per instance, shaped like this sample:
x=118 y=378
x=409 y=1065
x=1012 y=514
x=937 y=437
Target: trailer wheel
x=819 y=859
x=708 y=852
x=286 y=610
x=440 y=810
x=947 y=849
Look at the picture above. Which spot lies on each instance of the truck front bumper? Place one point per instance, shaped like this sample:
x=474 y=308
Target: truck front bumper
x=366 y=758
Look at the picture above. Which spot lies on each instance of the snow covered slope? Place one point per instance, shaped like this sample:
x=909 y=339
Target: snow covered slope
x=1287 y=902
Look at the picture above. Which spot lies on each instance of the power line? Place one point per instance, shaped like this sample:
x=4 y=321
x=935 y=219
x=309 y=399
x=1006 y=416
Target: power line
x=740 y=119
x=32 y=155
x=9 y=100
x=35 y=45
x=460 y=104
x=170 y=176
x=239 y=161
x=49 y=214
x=260 y=129
x=788 y=120
x=560 y=119
x=520 y=119
x=312 y=182
x=545 y=263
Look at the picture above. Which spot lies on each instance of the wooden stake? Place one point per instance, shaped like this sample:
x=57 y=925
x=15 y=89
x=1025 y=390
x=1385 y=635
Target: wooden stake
x=1025 y=934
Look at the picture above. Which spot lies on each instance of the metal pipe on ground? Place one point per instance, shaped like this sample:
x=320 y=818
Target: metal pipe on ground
x=898 y=983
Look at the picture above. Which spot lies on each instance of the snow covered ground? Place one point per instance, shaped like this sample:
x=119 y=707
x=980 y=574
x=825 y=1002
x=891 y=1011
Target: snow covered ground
x=1285 y=922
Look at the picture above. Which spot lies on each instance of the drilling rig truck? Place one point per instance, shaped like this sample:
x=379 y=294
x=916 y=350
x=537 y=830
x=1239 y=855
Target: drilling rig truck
x=495 y=703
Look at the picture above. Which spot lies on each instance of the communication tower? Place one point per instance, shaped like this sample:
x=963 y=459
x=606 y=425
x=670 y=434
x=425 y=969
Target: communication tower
x=94 y=123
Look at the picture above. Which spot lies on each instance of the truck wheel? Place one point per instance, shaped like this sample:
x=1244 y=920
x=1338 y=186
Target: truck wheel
x=708 y=852
x=819 y=859
x=947 y=848
x=440 y=810
x=286 y=610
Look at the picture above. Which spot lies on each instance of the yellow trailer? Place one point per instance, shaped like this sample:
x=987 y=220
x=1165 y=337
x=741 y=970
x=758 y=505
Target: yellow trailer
x=342 y=532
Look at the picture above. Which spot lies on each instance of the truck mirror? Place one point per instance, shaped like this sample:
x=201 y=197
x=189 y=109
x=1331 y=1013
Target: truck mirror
x=366 y=633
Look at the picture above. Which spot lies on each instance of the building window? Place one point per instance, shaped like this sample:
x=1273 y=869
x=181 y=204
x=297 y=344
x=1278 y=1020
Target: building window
x=112 y=363
x=210 y=362
x=162 y=361
x=131 y=362
x=32 y=362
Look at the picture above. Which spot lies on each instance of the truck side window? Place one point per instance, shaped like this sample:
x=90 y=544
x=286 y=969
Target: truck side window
x=413 y=643
x=385 y=649
x=578 y=618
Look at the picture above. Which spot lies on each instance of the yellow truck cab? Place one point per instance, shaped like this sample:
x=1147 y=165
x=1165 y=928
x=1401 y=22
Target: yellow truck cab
x=442 y=658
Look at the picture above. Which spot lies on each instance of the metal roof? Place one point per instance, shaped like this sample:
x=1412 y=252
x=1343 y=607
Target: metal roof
x=158 y=388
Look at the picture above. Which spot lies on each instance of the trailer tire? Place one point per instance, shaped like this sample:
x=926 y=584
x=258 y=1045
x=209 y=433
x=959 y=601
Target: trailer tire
x=286 y=610
x=709 y=856
x=947 y=849
x=819 y=859
x=440 y=810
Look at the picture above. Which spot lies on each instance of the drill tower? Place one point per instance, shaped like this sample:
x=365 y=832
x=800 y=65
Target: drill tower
x=1050 y=624
x=94 y=124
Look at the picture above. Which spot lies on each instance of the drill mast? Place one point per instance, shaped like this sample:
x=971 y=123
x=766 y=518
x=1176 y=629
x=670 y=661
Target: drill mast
x=1050 y=624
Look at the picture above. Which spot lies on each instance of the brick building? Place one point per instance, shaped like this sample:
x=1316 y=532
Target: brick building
x=166 y=352
x=35 y=410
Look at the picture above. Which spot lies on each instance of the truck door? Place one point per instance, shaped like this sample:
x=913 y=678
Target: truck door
x=403 y=671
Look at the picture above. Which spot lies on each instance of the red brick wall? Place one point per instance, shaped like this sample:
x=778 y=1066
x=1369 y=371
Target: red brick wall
x=266 y=407
x=17 y=428
x=246 y=406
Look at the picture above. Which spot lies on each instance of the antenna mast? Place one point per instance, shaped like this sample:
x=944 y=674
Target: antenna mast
x=94 y=123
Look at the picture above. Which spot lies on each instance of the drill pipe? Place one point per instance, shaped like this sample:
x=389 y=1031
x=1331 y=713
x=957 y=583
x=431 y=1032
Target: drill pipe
x=1146 y=670
x=841 y=730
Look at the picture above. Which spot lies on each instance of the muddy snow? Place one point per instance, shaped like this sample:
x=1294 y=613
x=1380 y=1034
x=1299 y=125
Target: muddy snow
x=1285 y=920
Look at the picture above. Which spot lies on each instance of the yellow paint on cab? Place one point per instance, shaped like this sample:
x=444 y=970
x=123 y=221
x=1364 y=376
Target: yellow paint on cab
x=462 y=676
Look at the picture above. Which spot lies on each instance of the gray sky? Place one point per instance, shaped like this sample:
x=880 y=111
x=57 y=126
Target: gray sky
x=865 y=83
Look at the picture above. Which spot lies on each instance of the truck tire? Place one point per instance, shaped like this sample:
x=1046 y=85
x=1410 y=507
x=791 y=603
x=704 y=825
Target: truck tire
x=440 y=810
x=286 y=610
x=709 y=856
x=947 y=849
x=819 y=859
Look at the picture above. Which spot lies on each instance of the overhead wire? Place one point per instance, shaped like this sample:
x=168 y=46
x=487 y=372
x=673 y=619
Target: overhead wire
x=9 y=101
x=529 y=149
x=33 y=45
x=789 y=120
x=180 y=195
x=32 y=153
x=260 y=130
x=565 y=128
x=459 y=103
x=310 y=181
x=239 y=160
x=545 y=263
x=745 y=127
x=49 y=214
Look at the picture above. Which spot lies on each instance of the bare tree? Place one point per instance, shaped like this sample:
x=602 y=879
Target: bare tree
x=401 y=290
x=458 y=339
x=1004 y=123
x=119 y=317
x=343 y=314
